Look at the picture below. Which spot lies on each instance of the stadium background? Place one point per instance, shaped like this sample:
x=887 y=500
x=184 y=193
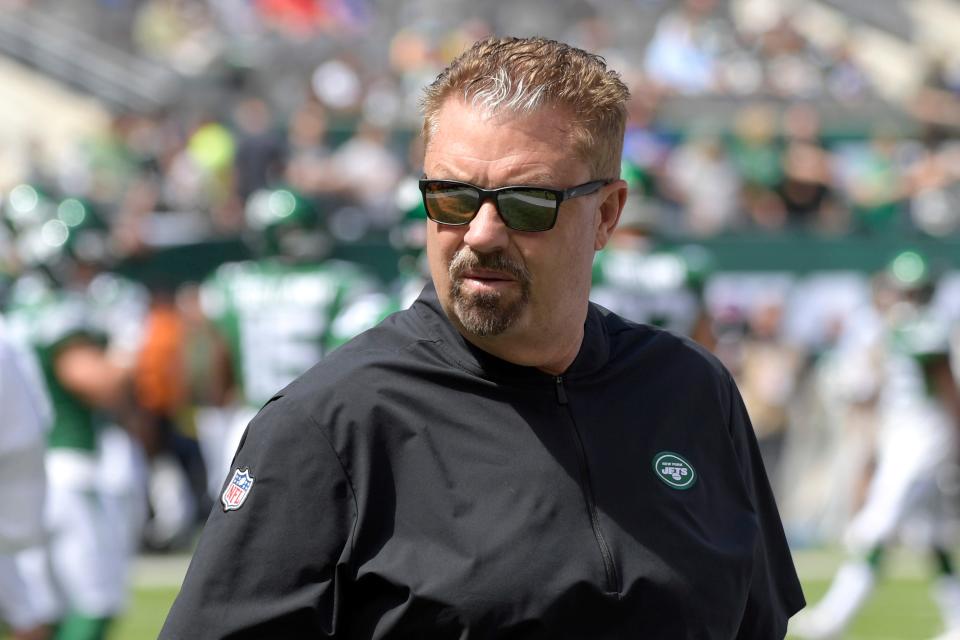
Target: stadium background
x=166 y=115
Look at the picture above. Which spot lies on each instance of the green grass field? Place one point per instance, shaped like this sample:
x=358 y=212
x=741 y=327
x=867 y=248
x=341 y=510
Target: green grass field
x=900 y=609
x=147 y=611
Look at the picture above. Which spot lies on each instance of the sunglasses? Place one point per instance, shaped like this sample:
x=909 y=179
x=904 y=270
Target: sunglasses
x=521 y=208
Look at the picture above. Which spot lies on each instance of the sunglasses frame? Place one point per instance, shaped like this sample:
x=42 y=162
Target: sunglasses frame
x=584 y=189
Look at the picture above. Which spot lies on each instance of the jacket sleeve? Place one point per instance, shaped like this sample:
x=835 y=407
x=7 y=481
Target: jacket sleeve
x=775 y=593
x=275 y=567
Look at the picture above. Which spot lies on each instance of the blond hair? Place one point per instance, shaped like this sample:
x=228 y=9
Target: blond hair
x=522 y=75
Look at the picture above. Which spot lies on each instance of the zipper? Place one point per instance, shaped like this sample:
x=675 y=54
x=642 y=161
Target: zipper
x=613 y=581
x=561 y=392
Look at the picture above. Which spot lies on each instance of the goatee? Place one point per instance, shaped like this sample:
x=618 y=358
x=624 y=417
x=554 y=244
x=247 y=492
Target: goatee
x=489 y=313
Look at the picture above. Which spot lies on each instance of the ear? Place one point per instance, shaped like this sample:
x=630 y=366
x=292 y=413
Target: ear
x=611 y=206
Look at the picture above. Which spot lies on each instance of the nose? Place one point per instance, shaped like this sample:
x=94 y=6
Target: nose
x=486 y=232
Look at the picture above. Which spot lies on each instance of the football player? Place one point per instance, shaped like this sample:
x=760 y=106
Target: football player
x=408 y=237
x=78 y=579
x=274 y=313
x=918 y=416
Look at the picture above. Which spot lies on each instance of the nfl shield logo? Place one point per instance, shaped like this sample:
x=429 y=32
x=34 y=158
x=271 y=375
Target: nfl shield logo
x=237 y=490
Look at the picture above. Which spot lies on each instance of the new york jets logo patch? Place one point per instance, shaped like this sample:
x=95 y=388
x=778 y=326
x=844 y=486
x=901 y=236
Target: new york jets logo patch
x=673 y=470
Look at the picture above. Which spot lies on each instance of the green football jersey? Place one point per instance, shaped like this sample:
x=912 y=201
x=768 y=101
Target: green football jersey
x=49 y=319
x=276 y=317
x=368 y=310
x=650 y=288
x=915 y=339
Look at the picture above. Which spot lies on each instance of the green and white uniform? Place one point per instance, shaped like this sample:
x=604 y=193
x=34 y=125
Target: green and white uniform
x=119 y=308
x=915 y=442
x=276 y=317
x=50 y=319
x=109 y=311
x=649 y=288
x=916 y=436
x=368 y=310
x=83 y=545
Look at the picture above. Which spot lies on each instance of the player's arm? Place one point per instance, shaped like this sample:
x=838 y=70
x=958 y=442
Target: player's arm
x=83 y=368
x=209 y=368
x=274 y=556
x=944 y=383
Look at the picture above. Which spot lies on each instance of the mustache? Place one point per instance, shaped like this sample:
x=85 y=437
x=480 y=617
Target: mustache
x=465 y=259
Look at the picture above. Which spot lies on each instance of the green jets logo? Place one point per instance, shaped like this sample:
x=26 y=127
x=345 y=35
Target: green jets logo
x=674 y=470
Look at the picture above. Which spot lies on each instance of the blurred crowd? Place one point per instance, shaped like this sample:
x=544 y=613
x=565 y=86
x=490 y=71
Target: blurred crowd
x=341 y=126
x=298 y=162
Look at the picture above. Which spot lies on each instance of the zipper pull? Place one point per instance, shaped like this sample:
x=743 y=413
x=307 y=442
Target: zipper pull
x=561 y=392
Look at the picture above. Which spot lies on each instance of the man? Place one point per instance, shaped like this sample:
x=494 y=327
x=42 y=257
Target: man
x=273 y=315
x=502 y=459
x=76 y=580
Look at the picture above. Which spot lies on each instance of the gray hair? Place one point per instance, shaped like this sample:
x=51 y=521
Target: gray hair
x=522 y=75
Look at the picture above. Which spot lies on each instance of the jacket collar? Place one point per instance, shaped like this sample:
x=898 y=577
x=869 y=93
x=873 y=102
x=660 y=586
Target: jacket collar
x=594 y=351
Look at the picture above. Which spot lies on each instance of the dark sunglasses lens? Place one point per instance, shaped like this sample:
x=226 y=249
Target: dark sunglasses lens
x=528 y=209
x=451 y=204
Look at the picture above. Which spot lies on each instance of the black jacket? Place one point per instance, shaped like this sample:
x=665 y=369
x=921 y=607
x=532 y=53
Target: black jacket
x=413 y=486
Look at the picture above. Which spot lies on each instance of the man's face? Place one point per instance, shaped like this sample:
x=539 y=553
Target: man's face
x=494 y=282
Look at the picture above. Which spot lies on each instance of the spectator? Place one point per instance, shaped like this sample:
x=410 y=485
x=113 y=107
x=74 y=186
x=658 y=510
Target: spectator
x=756 y=155
x=705 y=184
x=366 y=170
x=872 y=182
x=308 y=167
x=793 y=68
x=683 y=53
x=933 y=182
x=260 y=152
x=806 y=188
